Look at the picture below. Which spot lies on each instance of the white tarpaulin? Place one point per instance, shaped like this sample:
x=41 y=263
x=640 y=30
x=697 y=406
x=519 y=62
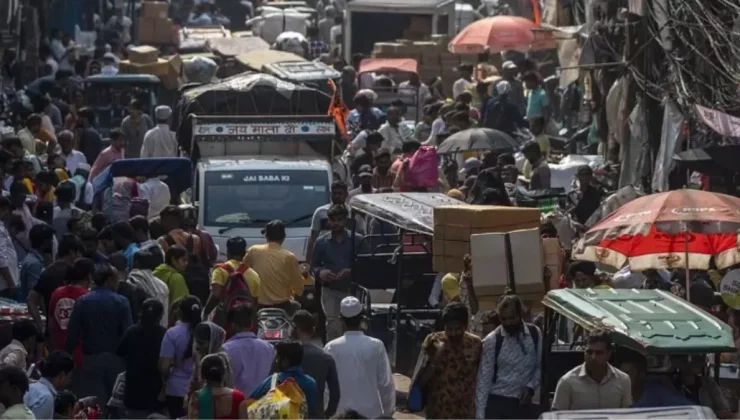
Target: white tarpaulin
x=631 y=169
x=669 y=143
x=613 y=99
x=724 y=124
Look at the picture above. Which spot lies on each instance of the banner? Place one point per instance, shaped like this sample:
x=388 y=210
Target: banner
x=722 y=123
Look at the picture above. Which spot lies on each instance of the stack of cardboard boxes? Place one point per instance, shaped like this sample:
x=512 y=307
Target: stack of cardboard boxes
x=432 y=55
x=154 y=26
x=145 y=60
x=453 y=227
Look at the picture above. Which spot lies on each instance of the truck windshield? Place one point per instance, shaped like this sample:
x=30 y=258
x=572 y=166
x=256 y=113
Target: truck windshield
x=250 y=197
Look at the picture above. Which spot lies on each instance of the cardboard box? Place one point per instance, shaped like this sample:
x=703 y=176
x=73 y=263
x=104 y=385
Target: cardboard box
x=145 y=30
x=159 y=68
x=155 y=9
x=454 y=225
x=172 y=79
x=500 y=218
x=144 y=54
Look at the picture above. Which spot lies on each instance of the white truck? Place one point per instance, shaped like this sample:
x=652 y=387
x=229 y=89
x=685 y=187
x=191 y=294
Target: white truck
x=253 y=170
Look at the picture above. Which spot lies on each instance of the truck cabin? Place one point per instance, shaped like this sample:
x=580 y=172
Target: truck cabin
x=256 y=169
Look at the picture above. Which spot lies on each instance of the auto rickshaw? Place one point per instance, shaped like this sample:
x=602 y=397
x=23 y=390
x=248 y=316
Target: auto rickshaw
x=654 y=323
x=110 y=96
x=398 y=69
x=397 y=263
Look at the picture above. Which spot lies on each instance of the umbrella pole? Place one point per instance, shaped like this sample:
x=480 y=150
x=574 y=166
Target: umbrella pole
x=688 y=276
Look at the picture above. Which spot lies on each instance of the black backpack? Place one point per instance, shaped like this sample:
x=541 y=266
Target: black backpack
x=533 y=332
x=197 y=274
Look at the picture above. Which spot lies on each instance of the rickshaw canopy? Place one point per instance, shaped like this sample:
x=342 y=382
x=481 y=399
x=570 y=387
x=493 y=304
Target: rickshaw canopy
x=409 y=211
x=388 y=65
x=179 y=172
x=647 y=321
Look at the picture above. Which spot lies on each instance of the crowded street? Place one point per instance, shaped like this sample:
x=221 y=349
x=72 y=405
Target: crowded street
x=367 y=209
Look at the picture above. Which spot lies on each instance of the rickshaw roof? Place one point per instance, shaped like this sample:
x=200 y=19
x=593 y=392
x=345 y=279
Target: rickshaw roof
x=648 y=321
x=123 y=78
x=409 y=211
x=257 y=59
x=178 y=170
x=383 y=65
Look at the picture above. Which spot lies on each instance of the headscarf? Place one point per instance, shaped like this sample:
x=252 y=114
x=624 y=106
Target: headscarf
x=488 y=179
x=209 y=339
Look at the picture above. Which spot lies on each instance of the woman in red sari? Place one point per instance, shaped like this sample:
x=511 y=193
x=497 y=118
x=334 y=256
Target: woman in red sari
x=214 y=400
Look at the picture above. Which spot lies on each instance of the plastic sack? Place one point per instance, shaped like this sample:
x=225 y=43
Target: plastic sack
x=422 y=171
x=283 y=401
x=199 y=70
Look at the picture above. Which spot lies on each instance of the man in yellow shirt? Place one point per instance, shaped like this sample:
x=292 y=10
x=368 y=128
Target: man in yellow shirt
x=278 y=269
x=236 y=248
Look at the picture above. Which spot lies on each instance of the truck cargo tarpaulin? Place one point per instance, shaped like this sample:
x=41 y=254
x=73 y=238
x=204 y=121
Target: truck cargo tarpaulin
x=248 y=94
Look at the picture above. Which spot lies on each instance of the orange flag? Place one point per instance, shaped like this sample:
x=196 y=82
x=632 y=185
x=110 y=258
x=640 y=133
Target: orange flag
x=338 y=110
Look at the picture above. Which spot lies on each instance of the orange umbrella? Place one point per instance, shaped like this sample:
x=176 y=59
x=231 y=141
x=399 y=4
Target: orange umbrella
x=500 y=33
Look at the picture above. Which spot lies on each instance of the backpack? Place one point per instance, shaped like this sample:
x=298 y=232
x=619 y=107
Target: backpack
x=196 y=274
x=533 y=332
x=423 y=169
x=283 y=401
x=236 y=291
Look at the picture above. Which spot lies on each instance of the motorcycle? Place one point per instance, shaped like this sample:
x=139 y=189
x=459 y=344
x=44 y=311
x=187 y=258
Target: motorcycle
x=273 y=325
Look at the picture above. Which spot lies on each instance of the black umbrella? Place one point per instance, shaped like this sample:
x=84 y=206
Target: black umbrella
x=712 y=160
x=477 y=139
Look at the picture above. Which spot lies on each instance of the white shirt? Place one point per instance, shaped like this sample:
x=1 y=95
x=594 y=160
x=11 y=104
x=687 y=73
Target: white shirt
x=459 y=87
x=47 y=125
x=89 y=193
x=73 y=159
x=158 y=194
x=335 y=32
x=364 y=374
x=57 y=49
x=160 y=141
x=8 y=257
x=394 y=138
x=53 y=65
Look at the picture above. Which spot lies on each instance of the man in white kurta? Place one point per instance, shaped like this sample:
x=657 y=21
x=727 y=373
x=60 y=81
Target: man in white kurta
x=362 y=366
x=160 y=141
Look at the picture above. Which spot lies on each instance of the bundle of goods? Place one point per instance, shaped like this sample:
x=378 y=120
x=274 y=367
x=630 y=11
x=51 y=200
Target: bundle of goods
x=199 y=70
x=145 y=60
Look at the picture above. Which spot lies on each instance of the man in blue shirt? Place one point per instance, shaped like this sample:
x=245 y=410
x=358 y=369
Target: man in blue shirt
x=56 y=373
x=288 y=359
x=649 y=393
x=41 y=238
x=124 y=239
x=99 y=320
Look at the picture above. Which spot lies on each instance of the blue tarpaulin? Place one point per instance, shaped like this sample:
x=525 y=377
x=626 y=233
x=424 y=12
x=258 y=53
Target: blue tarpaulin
x=179 y=172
